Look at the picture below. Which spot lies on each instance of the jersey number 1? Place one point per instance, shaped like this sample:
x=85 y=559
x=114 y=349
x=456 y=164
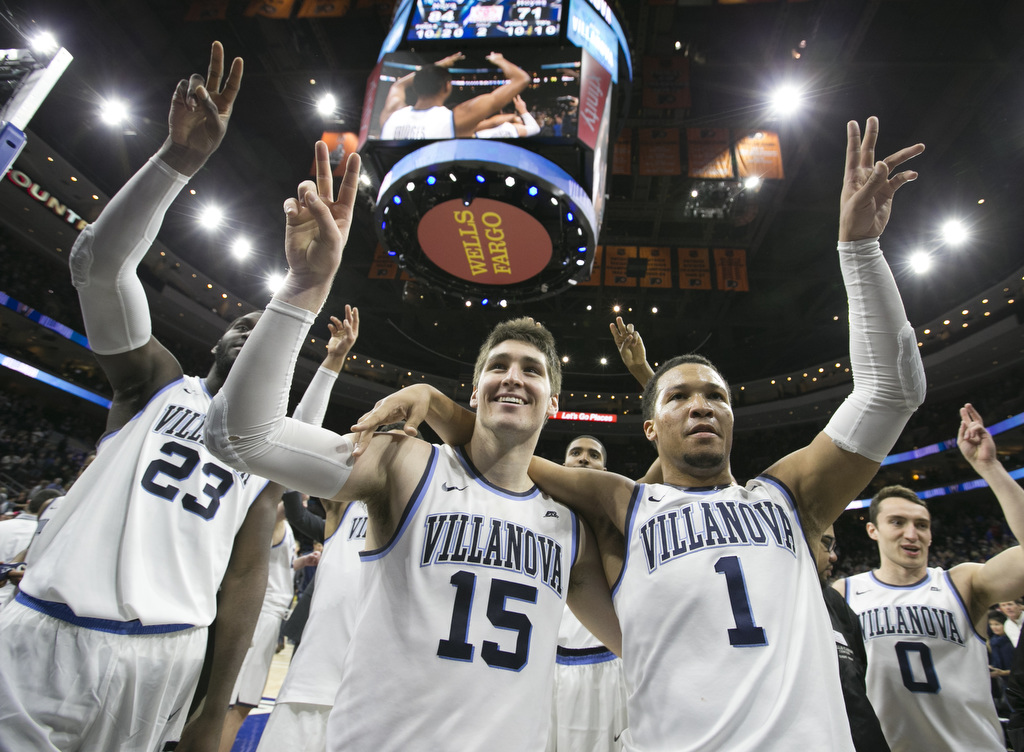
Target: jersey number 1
x=456 y=647
x=746 y=634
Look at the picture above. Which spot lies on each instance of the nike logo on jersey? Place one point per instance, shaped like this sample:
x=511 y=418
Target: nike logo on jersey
x=861 y=592
x=651 y=498
x=549 y=513
x=446 y=487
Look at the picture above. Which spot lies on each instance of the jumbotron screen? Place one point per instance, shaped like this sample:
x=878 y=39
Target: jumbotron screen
x=484 y=19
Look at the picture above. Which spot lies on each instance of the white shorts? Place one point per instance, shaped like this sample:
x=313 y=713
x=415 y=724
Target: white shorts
x=252 y=676
x=64 y=686
x=296 y=727
x=589 y=709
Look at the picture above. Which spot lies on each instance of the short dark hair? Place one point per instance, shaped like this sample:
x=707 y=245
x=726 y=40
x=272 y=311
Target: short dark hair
x=604 y=452
x=40 y=499
x=651 y=390
x=430 y=80
x=889 y=492
x=523 y=329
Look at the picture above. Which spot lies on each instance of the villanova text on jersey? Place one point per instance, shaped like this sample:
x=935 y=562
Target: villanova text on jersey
x=704 y=524
x=917 y=621
x=181 y=422
x=456 y=537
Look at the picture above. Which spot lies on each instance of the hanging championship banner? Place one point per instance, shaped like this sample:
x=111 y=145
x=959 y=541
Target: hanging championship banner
x=694 y=268
x=595 y=272
x=731 y=268
x=207 y=10
x=708 y=154
x=622 y=155
x=659 y=152
x=383 y=265
x=659 y=267
x=616 y=266
x=759 y=154
x=666 y=82
x=324 y=8
x=270 y=8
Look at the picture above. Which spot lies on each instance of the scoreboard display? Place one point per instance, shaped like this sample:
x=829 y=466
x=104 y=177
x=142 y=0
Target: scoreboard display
x=485 y=19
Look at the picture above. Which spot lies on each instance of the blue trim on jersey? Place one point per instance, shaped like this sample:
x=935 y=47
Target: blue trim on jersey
x=960 y=600
x=772 y=480
x=63 y=612
x=583 y=656
x=634 y=502
x=476 y=475
x=575 y=538
x=924 y=580
x=341 y=521
x=156 y=394
x=410 y=509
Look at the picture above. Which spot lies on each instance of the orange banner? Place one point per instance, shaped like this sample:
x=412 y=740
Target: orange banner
x=666 y=82
x=616 y=265
x=595 y=272
x=622 y=154
x=694 y=268
x=759 y=154
x=207 y=10
x=270 y=8
x=708 y=154
x=659 y=267
x=383 y=266
x=324 y=8
x=659 y=152
x=731 y=268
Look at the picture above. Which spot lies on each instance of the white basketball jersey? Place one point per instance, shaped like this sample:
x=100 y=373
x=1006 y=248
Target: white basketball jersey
x=146 y=533
x=927 y=667
x=315 y=671
x=280 y=577
x=408 y=123
x=455 y=647
x=726 y=642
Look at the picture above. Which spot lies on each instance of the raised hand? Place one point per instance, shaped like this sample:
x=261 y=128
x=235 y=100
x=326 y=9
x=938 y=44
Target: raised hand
x=866 y=200
x=631 y=350
x=973 y=439
x=448 y=62
x=343 y=333
x=316 y=231
x=200 y=112
x=409 y=405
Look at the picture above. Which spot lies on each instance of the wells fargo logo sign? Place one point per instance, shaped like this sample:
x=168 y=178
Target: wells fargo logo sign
x=487 y=242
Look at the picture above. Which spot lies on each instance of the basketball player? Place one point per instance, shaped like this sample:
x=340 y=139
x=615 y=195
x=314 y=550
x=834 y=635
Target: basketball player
x=157 y=540
x=506 y=125
x=589 y=709
x=432 y=85
x=924 y=627
x=467 y=565
x=726 y=642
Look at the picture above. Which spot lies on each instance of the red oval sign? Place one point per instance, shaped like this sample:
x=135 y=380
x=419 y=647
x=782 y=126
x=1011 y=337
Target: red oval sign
x=488 y=242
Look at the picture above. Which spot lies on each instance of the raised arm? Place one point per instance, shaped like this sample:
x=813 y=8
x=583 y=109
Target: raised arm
x=468 y=114
x=107 y=253
x=414 y=404
x=313 y=405
x=888 y=376
x=397 y=94
x=1001 y=578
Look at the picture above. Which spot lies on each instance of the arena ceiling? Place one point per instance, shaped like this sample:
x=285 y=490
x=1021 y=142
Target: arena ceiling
x=948 y=74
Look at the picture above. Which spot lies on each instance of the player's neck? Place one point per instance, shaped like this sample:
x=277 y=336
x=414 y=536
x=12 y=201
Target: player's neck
x=502 y=463
x=893 y=574
x=691 y=478
x=425 y=103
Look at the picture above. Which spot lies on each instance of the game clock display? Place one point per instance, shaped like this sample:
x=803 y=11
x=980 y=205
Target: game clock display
x=485 y=19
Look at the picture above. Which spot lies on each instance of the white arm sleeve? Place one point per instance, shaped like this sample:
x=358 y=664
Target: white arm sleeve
x=532 y=129
x=313 y=405
x=246 y=425
x=107 y=253
x=888 y=375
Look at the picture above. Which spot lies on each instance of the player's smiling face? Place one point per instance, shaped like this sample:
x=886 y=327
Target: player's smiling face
x=903 y=532
x=692 y=422
x=514 y=390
